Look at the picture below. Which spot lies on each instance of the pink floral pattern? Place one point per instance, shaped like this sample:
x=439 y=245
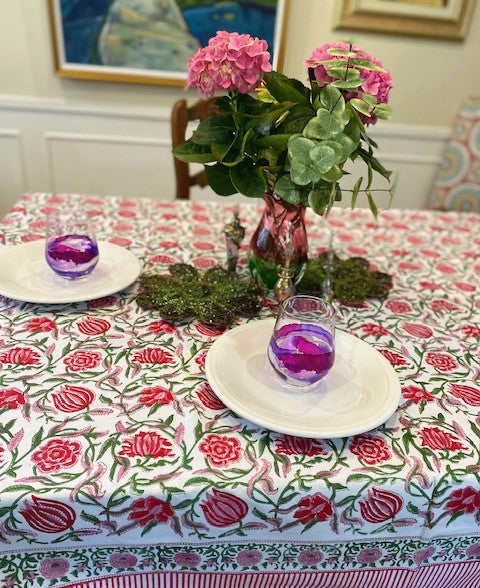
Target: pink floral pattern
x=110 y=434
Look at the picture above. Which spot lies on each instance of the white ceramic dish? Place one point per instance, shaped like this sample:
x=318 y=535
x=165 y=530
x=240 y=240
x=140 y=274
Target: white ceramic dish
x=360 y=392
x=26 y=276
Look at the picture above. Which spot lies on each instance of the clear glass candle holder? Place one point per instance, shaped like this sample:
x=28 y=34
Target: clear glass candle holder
x=71 y=248
x=302 y=346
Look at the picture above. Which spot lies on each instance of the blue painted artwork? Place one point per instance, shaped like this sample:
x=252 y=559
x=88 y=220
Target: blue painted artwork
x=156 y=34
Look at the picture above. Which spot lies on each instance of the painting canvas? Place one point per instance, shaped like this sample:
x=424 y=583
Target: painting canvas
x=444 y=19
x=150 y=41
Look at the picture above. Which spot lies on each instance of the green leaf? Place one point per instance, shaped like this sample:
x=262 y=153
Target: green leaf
x=369 y=99
x=277 y=142
x=318 y=200
x=216 y=129
x=372 y=205
x=323 y=157
x=356 y=190
x=331 y=98
x=296 y=120
x=346 y=84
x=383 y=111
x=218 y=178
x=314 y=130
x=288 y=191
x=336 y=52
x=333 y=174
x=361 y=106
x=366 y=64
x=344 y=73
x=190 y=152
x=340 y=155
x=37 y=438
x=286 y=89
x=197 y=480
x=347 y=144
x=331 y=124
x=248 y=179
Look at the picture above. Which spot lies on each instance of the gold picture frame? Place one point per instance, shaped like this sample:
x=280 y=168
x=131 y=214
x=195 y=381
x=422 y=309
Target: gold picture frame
x=81 y=62
x=437 y=19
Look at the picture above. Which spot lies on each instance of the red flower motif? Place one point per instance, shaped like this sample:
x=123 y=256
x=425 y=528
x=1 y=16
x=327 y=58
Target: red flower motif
x=223 y=509
x=57 y=454
x=471 y=331
x=72 y=398
x=445 y=268
x=409 y=266
x=440 y=305
x=393 y=358
x=315 y=507
x=464 y=287
x=380 y=506
x=41 y=323
x=370 y=449
x=20 y=356
x=200 y=359
x=429 y=253
x=121 y=241
x=145 y=510
x=158 y=327
x=400 y=252
x=82 y=360
x=373 y=329
x=102 y=302
x=203 y=246
x=435 y=438
x=201 y=232
x=221 y=450
x=167 y=259
x=156 y=395
x=208 y=331
x=28 y=237
x=398 y=307
x=468 y=394
x=289 y=445
x=441 y=361
x=122 y=228
x=416 y=394
x=127 y=213
x=429 y=285
x=204 y=262
x=11 y=397
x=93 y=326
x=465 y=499
x=208 y=398
x=147 y=444
x=153 y=355
x=201 y=218
x=167 y=244
x=48 y=516
x=417 y=330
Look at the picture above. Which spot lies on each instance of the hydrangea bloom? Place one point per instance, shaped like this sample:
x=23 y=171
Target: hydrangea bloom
x=230 y=61
x=377 y=83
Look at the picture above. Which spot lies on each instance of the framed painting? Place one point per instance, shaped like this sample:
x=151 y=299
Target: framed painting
x=150 y=41
x=441 y=19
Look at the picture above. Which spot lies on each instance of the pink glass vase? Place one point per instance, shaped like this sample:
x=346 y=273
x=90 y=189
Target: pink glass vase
x=280 y=222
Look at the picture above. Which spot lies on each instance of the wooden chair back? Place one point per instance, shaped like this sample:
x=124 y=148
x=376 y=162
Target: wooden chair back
x=181 y=116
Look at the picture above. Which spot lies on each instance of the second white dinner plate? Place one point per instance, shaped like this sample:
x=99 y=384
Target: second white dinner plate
x=26 y=276
x=360 y=392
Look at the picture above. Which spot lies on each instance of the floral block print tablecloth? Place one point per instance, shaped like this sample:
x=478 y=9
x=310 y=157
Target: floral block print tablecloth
x=117 y=457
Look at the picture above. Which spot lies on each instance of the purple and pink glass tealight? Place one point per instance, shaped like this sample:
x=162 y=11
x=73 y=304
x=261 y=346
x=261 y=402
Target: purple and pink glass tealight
x=71 y=248
x=302 y=345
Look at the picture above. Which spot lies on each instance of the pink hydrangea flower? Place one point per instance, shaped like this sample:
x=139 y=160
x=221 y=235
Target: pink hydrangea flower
x=377 y=83
x=229 y=62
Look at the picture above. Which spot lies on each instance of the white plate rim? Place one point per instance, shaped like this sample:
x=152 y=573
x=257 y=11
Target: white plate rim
x=121 y=284
x=215 y=384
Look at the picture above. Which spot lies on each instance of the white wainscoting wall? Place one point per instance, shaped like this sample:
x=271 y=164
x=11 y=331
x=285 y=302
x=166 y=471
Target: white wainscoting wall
x=53 y=146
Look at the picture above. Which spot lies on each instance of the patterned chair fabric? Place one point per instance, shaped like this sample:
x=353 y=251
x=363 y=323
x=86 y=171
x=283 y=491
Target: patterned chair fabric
x=457 y=184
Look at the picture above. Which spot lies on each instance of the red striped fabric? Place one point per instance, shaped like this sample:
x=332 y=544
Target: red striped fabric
x=447 y=575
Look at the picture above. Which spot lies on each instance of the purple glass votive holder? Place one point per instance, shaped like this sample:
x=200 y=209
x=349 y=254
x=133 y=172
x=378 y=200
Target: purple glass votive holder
x=302 y=346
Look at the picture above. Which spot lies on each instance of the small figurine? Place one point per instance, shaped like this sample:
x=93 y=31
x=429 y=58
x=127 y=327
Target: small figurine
x=284 y=287
x=234 y=234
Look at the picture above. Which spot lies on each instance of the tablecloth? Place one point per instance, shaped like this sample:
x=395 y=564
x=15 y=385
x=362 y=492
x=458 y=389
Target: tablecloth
x=119 y=466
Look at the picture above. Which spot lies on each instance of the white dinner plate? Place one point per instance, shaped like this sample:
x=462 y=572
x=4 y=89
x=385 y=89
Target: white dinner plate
x=26 y=276
x=360 y=392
